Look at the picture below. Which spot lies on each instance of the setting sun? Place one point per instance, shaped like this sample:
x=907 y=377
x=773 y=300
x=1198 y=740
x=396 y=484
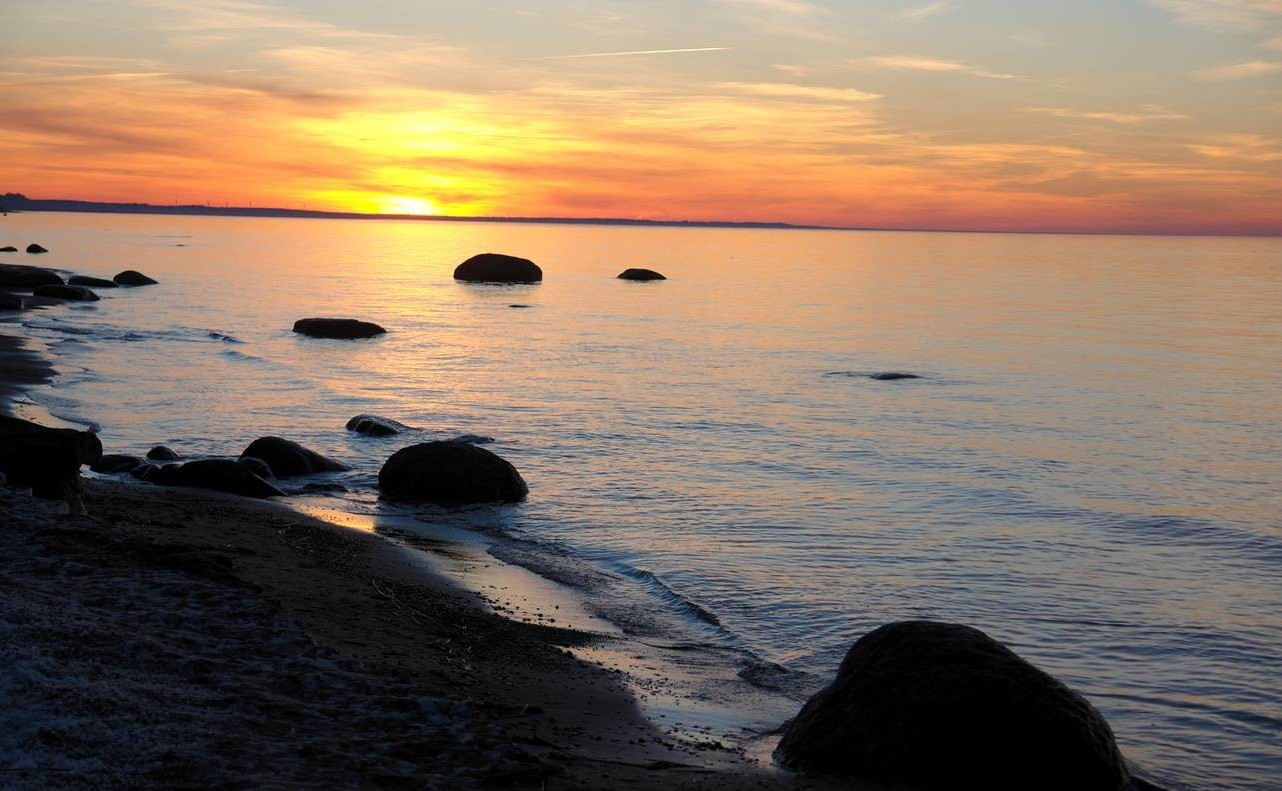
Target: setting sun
x=404 y=204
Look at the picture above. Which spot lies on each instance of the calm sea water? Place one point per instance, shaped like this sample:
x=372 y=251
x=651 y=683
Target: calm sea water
x=1088 y=469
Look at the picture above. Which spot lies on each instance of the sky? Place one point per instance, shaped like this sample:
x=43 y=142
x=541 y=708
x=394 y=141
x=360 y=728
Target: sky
x=1135 y=116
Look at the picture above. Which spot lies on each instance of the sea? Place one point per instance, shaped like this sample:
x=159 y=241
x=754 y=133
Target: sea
x=1088 y=467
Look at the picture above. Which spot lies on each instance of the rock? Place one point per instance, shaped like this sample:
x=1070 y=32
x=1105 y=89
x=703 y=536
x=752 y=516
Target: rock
x=8 y=249
x=169 y=475
x=20 y=276
x=518 y=305
x=288 y=459
x=35 y=248
x=450 y=473
x=258 y=467
x=47 y=460
x=131 y=278
x=115 y=462
x=337 y=328
x=892 y=376
x=926 y=705
x=93 y=282
x=144 y=471
x=11 y=301
x=74 y=293
x=498 y=268
x=161 y=453
x=4 y=481
x=640 y=274
x=375 y=426
x=223 y=475
x=472 y=439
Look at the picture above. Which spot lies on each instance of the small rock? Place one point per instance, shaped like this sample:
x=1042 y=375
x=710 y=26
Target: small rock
x=8 y=249
x=344 y=329
x=130 y=277
x=375 y=426
x=92 y=282
x=288 y=459
x=162 y=453
x=74 y=293
x=115 y=462
x=35 y=248
x=450 y=473
x=640 y=274
x=892 y=376
x=518 y=305
x=498 y=268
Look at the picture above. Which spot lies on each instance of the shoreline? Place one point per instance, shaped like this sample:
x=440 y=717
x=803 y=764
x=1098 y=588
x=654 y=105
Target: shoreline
x=526 y=704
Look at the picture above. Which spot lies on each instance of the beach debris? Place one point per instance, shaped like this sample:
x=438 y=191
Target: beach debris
x=450 y=473
x=21 y=276
x=498 y=268
x=74 y=293
x=375 y=426
x=288 y=459
x=92 y=282
x=258 y=467
x=921 y=704
x=892 y=376
x=130 y=277
x=35 y=248
x=640 y=274
x=47 y=459
x=343 y=329
x=116 y=462
x=162 y=453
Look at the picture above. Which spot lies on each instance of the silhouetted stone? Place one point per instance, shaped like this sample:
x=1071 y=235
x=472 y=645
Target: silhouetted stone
x=130 y=277
x=168 y=475
x=73 y=293
x=640 y=274
x=375 y=426
x=92 y=282
x=344 y=329
x=518 y=305
x=498 y=268
x=20 y=276
x=11 y=301
x=258 y=467
x=8 y=249
x=222 y=475
x=928 y=705
x=161 y=453
x=47 y=459
x=892 y=376
x=35 y=248
x=288 y=459
x=450 y=473
x=115 y=462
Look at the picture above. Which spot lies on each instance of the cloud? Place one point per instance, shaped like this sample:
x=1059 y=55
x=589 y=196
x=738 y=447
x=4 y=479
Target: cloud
x=786 y=7
x=1239 y=71
x=914 y=63
x=1224 y=14
x=634 y=52
x=926 y=11
x=1146 y=114
x=780 y=90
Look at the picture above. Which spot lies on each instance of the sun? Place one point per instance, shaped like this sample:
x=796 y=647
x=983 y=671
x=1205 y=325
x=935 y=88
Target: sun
x=404 y=204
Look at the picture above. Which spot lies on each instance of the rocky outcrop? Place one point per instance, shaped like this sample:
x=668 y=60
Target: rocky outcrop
x=640 y=274
x=222 y=475
x=91 y=282
x=35 y=248
x=73 y=293
x=926 y=705
x=375 y=426
x=450 y=473
x=498 y=268
x=47 y=459
x=162 y=453
x=19 y=276
x=288 y=459
x=116 y=462
x=129 y=277
x=343 y=329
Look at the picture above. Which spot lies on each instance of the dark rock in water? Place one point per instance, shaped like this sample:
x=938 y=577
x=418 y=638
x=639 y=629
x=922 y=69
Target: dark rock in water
x=473 y=439
x=8 y=249
x=35 y=248
x=115 y=462
x=161 y=453
x=288 y=459
x=20 y=276
x=11 y=301
x=928 y=705
x=498 y=268
x=168 y=475
x=450 y=473
x=518 y=305
x=640 y=274
x=74 y=293
x=47 y=459
x=130 y=277
x=375 y=426
x=892 y=376
x=223 y=475
x=4 y=481
x=258 y=467
x=92 y=282
x=323 y=488
x=337 y=328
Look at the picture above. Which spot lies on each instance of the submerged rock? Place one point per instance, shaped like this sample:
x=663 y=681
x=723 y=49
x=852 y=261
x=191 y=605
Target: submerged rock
x=74 y=293
x=892 y=376
x=130 y=277
x=450 y=473
x=927 y=705
x=375 y=426
x=344 y=329
x=288 y=459
x=640 y=274
x=498 y=268
x=35 y=248
x=92 y=282
x=21 y=276
x=162 y=453
x=223 y=475
x=116 y=462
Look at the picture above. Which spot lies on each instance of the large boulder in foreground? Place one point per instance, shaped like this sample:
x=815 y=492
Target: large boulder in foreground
x=20 y=276
x=450 y=473
x=287 y=459
x=223 y=475
x=343 y=329
x=74 y=293
x=926 y=705
x=498 y=268
x=129 y=277
x=375 y=426
x=640 y=274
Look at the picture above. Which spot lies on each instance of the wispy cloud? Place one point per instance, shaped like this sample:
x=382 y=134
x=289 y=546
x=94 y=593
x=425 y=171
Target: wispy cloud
x=1239 y=71
x=1224 y=14
x=781 y=90
x=790 y=7
x=633 y=52
x=915 y=63
x=1146 y=114
x=926 y=11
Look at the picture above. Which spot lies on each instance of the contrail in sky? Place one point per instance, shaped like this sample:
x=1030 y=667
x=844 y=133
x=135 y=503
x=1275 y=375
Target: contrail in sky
x=638 y=52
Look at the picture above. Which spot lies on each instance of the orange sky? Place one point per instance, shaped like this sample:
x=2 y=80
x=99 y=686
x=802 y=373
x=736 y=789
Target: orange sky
x=1128 y=115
